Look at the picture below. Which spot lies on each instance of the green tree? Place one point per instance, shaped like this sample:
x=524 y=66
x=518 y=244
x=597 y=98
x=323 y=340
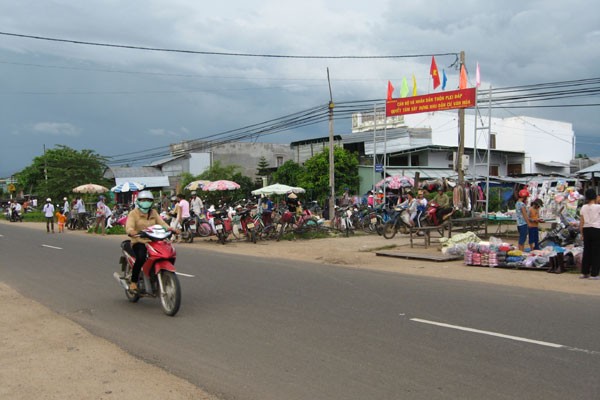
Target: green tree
x=289 y=173
x=65 y=169
x=315 y=178
x=223 y=172
x=262 y=167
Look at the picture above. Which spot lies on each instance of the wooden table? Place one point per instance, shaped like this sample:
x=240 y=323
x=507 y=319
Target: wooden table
x=474 y=224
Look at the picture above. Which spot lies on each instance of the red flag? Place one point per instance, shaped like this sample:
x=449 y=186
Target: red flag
x=390 y=90
x=462 y=83
x=435 y=74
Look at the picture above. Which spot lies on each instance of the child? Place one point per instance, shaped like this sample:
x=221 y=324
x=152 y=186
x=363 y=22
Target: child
x=534 y=219
x=61 y=218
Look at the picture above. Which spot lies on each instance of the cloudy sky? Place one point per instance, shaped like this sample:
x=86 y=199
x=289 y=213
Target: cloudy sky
x=117 y=100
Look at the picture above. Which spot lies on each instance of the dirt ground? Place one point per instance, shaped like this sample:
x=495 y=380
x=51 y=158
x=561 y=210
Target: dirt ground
x=45 y=355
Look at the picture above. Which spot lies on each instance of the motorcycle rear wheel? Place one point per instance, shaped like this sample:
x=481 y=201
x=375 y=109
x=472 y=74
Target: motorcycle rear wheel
x=170 y=299
x=132 y=297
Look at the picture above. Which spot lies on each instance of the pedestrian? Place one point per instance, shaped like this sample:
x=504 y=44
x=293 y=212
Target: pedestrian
x=60 y=220
x=196 y=204
x=80 y=210
x=48 y=211
x=522 y=218
x=66 y=207
x=533 y=226
x=589 y=225
x=100 y=216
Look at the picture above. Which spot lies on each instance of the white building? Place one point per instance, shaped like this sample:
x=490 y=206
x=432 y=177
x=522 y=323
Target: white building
x=518 y=145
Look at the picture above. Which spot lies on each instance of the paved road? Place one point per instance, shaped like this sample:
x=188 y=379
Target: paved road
x=264 y=329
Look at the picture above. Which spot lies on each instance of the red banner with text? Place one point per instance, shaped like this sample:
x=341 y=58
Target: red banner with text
x=431 y=102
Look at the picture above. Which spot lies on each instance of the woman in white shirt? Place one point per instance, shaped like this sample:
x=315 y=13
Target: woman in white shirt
x=589 y=225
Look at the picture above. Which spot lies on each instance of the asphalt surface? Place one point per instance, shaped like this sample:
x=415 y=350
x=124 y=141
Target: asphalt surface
x=253 y=328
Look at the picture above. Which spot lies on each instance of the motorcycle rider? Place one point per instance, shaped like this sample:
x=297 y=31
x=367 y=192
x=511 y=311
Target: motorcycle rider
x=142 y=217
x=443 y=202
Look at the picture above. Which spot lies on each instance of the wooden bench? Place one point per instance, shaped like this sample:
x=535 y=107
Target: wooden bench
x=426 y=233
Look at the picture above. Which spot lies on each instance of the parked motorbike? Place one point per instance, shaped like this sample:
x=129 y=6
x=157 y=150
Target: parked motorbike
x=247 y=226
x=562 y=233
x=223 y=225
x=188 y=229
x=157 y=277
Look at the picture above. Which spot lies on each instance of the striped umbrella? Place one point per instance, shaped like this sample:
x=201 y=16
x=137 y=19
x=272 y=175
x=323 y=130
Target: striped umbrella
x=220 y=185
x=128 y=187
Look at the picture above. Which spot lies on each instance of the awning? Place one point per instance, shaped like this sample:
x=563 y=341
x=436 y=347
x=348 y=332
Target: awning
x=424 y=173
x=149 y=181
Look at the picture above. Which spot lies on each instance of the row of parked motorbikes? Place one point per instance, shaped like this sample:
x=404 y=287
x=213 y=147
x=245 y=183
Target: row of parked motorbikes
x=247 y=220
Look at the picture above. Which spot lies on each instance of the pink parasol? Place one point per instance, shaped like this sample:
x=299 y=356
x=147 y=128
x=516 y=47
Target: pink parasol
x=220 y=185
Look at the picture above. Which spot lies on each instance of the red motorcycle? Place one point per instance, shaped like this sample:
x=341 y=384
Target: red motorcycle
x=157 y=277
x=435 y=215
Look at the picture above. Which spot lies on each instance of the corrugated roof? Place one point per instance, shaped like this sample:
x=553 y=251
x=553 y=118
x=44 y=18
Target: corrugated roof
x=591 y=169
x=125 y=172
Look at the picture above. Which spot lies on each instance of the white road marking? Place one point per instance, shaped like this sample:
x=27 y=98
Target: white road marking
x=52 y=247
x=189 y=276
x=501 y=335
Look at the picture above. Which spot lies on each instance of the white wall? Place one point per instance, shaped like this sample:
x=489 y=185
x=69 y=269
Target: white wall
x=199 y=162
x=541 y=140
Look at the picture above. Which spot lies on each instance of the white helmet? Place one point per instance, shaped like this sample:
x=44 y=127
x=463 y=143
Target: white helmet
x=144 y=201
x=145 y=194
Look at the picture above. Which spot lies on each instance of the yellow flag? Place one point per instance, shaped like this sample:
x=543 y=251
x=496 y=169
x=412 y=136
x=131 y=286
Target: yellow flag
x=414 y=85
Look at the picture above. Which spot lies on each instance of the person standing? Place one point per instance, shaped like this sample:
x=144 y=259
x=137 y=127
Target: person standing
x=196 y=204
x=522 y=218
x=589 y=225
x=183 y=212
x=533 y=227
x=60 y=220
x=66 y=207
x=100 y=216
x=48 y=211
x=80 y=210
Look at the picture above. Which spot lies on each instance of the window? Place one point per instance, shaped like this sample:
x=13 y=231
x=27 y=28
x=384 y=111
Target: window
x=494 y=170
x=279 y=161
x=513 y=169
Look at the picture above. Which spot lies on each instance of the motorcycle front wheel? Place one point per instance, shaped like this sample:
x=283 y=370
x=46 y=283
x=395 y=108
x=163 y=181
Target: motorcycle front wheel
x=170 y=298
x=389 y=230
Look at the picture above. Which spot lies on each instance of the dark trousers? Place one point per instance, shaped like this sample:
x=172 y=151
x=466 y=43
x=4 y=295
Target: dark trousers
x=49 y=222
x=140 y=257
x=591 y=252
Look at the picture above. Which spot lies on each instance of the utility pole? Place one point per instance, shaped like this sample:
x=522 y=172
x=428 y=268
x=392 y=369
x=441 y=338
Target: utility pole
x=461 y=132
x=331 y=158
x=45 y=167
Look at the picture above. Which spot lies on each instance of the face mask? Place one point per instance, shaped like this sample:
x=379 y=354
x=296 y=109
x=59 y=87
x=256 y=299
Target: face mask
x=145 y=205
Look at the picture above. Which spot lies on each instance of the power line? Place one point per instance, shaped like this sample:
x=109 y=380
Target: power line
x=214 y=53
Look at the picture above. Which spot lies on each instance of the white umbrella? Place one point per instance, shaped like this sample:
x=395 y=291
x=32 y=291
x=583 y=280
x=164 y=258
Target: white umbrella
x=277 y=188
x=128 y=187
x=90 y=188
